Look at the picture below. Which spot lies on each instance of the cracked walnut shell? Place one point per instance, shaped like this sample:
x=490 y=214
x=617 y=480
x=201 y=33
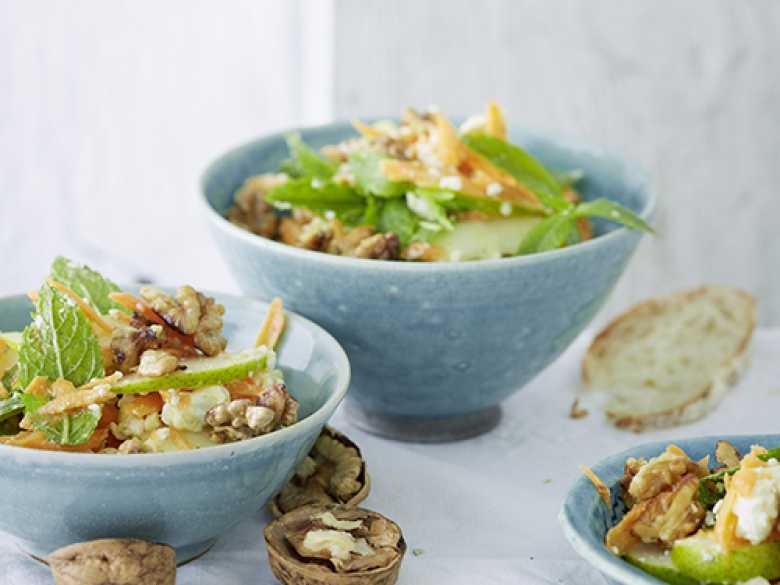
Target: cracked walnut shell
x=334 y=545
x=334 y=472
x=114 y=561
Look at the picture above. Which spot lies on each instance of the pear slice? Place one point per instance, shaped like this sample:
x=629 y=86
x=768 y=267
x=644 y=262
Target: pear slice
x=202 y=371
x=478 y=240
x=12 y=338
x=701 y=557
x=656 y=561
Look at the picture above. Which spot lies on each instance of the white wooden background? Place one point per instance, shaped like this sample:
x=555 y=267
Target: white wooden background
x=110 y=110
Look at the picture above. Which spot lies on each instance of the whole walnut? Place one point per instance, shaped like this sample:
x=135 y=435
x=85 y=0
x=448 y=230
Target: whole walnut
x=114 y=561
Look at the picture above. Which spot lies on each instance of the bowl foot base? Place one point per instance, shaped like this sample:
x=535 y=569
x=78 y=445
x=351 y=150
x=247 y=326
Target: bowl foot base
x=415 y=429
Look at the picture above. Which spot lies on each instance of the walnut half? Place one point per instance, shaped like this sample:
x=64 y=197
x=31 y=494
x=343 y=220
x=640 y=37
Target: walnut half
x=334 y=472
x=114 y=561
x=334 y=545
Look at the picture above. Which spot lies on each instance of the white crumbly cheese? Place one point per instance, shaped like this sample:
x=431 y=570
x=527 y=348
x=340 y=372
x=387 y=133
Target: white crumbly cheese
x=754 y=581
x=757 y=513
x=330 y=215
x=505 y=209
x=451 y=182
x=493 y=189
x=186 y=411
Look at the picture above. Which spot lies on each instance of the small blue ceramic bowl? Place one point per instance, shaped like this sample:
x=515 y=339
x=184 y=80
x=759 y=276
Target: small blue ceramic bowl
x=435 y=347
x=584 y=516
x=185 y=499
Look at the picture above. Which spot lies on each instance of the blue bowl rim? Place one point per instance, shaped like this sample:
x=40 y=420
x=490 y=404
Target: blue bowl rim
x=273 y=246
x=215 y=452
x=598 y=556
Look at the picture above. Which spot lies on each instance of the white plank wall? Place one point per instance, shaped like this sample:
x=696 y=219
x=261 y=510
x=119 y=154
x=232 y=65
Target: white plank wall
x=689 y=89
x=109 y=112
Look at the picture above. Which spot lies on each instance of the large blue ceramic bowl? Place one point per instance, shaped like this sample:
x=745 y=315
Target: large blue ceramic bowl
x=185 y=499
x=435 y=342
x=584 y=516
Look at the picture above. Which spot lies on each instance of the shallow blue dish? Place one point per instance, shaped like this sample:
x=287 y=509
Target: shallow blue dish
x=185 y=499
x=585 y=519
x=435 y=347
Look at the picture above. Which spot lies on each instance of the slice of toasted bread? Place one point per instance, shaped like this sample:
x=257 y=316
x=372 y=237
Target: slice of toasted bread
x=670 y=361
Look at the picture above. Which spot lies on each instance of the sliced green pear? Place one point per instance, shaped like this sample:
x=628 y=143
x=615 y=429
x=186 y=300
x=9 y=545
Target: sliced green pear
x=479 y=240
x=201 y=371
x=701 y=557
x=12 y=338
x=656 y=561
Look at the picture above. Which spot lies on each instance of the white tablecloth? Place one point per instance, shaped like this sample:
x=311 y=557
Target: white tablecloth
x=482 y=511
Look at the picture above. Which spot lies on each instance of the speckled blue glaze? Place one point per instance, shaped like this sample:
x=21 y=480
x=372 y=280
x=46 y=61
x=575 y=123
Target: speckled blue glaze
x=185 y=499
x=585 y=519
x=436 y=340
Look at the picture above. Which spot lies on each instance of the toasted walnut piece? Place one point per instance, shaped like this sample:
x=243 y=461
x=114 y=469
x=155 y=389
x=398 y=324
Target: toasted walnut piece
x=349 y=557
x=192 y=313
x=129 y=342
x=630 y=469
x=345 y=244
x=576 y=411
x=114 y=561
x=131 y=447
x=379 y=247
x=251 y=211
x=421 y=252
x=155 y=362
x=664 y=518
x=662 y=472
x=672 y=515
x=240 y=419
x=315 y=235
x=726 y=454
x=277 y=398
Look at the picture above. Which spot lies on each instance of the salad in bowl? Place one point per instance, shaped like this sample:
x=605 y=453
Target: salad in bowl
x=422 y=190
x=688 y=521
x=102 y=370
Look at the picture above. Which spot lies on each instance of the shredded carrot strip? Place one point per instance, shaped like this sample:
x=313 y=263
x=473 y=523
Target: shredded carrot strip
x=273 y=326
x=600 y=486
x=90 y=313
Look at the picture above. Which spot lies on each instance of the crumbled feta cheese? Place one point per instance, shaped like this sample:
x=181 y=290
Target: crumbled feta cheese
x=330 y=215
x=317 y=183
x=451 y=182
x=493 y=189
x=505 y=209
x=186 y=411
x=757 y=513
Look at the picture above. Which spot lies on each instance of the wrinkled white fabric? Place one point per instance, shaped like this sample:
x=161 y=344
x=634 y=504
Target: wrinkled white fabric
x=485 y=510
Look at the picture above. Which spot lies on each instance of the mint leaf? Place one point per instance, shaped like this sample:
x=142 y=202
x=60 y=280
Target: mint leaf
x=365 y=167
x=549 y=234
x=305 y=162
x=70 y=429
x=396 y=217
x=522 y=166
x=11 y=406
x=87 y=283
x=319 y=196
x=613 y=212
x=59 y=343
